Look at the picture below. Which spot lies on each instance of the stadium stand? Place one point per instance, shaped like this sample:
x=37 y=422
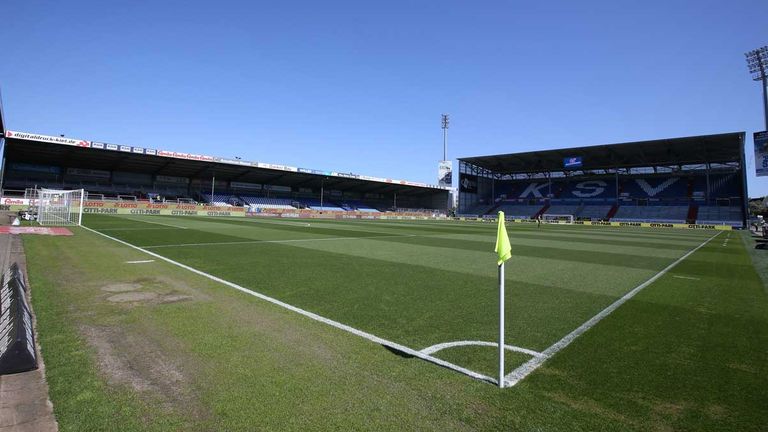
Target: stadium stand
x=677 y=180
x=519 y=211
x=108 y=171
x=221 y=199
x=664 y=214
x=594 y=212
x=564 y=209
x=326 y=205
x=481 y=209
x=267 y=203
x=726 y=215
x=358 y=206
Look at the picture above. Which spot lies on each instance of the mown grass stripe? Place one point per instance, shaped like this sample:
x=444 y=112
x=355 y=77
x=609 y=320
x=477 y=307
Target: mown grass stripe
x=274 y=241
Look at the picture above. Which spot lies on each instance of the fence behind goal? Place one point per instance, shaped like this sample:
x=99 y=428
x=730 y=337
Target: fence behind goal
x=60 y=207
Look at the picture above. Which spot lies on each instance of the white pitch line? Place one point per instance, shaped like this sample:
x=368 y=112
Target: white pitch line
x=316 y=223
x=686 y=277
x=157 y=223
x=138 y=229
x=277 y=241
x=267 y=221
x=311 y=315
x=140 y=262
x=525 y=369
x=439 y=347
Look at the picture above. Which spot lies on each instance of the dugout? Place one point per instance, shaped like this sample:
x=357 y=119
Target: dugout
x=696 y=179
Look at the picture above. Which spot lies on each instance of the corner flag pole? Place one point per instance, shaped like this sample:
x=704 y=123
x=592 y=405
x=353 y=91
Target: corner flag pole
x=504 y=251
x=501 y=325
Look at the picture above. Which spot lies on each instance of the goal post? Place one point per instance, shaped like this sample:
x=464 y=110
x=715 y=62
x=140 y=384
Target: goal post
x=557 y=218
x=60 y=207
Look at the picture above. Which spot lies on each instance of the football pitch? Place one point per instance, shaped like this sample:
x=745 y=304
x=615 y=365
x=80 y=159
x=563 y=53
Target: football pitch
x=182 y=323
x=424 y=288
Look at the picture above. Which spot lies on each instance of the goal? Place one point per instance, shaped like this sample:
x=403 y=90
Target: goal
x=557 y=218
x=60 y=207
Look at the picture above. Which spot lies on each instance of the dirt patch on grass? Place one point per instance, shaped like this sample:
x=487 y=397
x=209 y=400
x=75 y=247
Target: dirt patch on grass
x=591 y=406
x=126 y=358
x=132 y=297
x=669 y=409
x=175 y=286
x=121 y=287
x=158 y=290
x=174 y=298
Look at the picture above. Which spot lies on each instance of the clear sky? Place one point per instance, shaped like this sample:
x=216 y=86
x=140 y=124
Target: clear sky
x=359 y=86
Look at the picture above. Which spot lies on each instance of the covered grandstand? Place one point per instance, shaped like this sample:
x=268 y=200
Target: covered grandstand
x=129 y=173
x=698 y=179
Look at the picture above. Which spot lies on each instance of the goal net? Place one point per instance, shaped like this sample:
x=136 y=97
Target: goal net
x=60 y=207
x=557 y=218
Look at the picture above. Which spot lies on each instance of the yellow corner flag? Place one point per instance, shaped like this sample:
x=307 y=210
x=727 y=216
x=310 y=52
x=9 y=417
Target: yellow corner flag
x=503 y=247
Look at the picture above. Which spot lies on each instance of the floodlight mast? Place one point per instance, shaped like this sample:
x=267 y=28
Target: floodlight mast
x=757 y=61
x=445 y=136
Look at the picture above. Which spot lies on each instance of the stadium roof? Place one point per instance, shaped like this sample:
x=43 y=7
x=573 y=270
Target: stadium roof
x=720 y=148
x=76 y=153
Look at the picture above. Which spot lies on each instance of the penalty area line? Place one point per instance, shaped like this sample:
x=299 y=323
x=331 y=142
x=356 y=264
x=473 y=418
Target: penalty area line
x=686 y=277
x=531 y=365
x=373 y=338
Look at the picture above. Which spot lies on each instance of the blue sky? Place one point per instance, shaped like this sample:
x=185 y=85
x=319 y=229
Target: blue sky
x=359 y=86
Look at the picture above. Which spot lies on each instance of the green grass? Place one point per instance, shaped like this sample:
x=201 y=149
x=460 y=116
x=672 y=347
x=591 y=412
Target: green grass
x=683 y=354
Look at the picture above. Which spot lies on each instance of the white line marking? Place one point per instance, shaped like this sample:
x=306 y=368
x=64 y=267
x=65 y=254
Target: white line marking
x=139 y=262
x=277 y=241
x=138 y=229
x=524 y=370
x=156 y=223
x=320 y=223
x=311 y=315
x=686 y=277
x=439 y=347
x=303 y=224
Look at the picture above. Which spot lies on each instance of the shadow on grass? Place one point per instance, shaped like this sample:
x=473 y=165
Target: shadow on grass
x=397 y=352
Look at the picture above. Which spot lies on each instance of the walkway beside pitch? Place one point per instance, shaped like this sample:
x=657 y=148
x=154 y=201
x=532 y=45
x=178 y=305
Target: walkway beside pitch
x=24 y=402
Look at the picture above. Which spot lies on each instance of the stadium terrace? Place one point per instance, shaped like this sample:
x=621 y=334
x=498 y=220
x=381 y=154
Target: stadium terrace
x=690 y=180
x=121 y=173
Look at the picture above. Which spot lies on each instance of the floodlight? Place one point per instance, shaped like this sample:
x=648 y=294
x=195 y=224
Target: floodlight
x=757 y=62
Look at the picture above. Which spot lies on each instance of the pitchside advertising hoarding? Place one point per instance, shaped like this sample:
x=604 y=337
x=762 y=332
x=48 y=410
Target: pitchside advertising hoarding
x=135 y=208
x=761 y=153
x=445 y=173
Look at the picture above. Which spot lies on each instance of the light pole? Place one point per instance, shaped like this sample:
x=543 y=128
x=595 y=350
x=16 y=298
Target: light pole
x=757 y=61
x=446 y=122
